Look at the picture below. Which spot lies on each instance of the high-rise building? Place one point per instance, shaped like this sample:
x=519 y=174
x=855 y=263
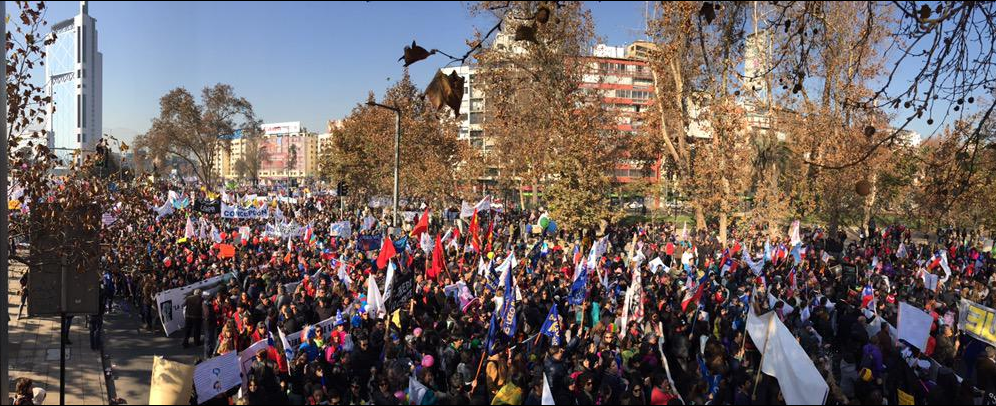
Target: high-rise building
x=291 y=152
x=622 y=77
x=74 y=80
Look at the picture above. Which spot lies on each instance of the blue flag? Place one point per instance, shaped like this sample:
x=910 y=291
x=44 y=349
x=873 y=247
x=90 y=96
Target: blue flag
x=492 y=339
x=579 y=289
x=508 y=319
x=551 y=327
x=796 y=254
x=401 y=245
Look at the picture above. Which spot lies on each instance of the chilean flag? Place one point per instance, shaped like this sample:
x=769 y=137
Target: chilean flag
x=693 y=294
x=308 y=233
x=727 y=264
x=867 y=296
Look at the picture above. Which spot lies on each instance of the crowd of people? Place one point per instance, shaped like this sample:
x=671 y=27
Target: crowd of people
x=443 y=347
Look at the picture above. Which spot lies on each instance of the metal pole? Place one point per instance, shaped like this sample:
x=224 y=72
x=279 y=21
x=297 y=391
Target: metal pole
x=63 y=334
x=4 y=259
x=397 y=161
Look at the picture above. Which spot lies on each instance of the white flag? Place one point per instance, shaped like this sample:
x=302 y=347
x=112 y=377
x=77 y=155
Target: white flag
x=388 y=279
x=794 y=237
x=466 y=210
x=483 y=205
x=547 y=393
x=375 y=302
x=427 y=243
x=202 y=230
x=784 y=359
x=188 y=232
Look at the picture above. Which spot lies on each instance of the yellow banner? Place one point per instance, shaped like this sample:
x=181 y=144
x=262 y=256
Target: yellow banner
x=978 y=321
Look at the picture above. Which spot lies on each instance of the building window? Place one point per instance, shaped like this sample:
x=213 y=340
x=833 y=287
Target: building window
x=83 y=44
x=83 y=111
x=79 y=108
x=77 y=44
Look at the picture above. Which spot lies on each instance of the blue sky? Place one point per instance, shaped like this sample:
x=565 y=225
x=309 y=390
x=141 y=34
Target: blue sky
x=295 y=61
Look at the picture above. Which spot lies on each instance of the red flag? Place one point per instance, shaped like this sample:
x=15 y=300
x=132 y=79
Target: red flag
x=438 y=263
x=475 y=232
x=226 y=251
x=423 y=224
x=387 y=252
x=491 y=233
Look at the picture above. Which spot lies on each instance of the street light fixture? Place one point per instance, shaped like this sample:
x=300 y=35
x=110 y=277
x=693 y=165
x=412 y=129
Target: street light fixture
x=397 y=155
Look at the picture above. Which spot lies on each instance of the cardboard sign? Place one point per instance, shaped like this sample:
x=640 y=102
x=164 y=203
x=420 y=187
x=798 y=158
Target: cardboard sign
x=172 y=382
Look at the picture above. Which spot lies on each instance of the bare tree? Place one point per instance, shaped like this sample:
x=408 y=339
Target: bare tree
x=196 y=133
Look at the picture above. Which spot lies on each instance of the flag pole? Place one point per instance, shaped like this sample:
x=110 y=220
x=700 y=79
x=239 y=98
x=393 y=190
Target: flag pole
x=767 y=339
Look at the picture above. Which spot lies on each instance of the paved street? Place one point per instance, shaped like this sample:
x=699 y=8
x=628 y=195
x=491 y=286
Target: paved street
x=130 y=351
x=34 y=353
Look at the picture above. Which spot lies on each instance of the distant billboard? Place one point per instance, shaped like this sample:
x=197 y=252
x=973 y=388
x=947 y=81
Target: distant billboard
x=285 y=154
x=290 y=127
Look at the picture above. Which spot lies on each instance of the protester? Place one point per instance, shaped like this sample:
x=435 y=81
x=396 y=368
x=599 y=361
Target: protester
x=661 y=318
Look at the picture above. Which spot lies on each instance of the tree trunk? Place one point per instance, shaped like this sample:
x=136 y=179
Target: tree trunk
x=869 y=204
x=834 y=224
x=522 y=198
x=534 y=199
x=773 y=186
x=700 y=223
x=722 y=228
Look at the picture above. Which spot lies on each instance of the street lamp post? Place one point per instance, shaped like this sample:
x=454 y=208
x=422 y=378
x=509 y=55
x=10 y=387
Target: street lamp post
x=397 y=155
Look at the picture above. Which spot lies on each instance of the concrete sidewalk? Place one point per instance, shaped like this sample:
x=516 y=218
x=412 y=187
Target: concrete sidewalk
x=34 y=353
x=130 y=350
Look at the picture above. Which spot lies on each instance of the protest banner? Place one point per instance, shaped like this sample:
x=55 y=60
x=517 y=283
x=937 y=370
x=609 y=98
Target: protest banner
x=246 y=357
x=208 y=206
x=216 y=376
x=238 y=212
x=172 y=306
x=978 y=321
x=368 y=243
x=295 y=339
x=172 y=382
x=342 y=229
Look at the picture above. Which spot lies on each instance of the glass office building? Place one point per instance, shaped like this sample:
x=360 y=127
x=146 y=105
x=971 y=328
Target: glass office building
x=73 y=73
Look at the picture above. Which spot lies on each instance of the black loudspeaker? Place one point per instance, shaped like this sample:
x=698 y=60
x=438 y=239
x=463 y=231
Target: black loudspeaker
x=64 y=238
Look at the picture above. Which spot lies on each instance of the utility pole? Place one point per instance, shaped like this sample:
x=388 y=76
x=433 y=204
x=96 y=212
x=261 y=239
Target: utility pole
x=397 y=155
x=4 y=230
